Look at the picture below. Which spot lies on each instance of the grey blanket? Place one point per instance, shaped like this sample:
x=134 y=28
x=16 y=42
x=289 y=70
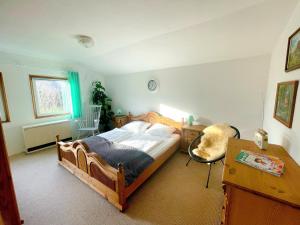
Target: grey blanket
x=133 y=160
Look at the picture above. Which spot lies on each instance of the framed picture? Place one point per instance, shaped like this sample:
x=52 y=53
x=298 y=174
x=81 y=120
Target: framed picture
x=285 y=102
x=293 y=52
x=4 y=113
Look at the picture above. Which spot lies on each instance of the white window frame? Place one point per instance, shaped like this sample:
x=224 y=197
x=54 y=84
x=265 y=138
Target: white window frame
x=34 y=96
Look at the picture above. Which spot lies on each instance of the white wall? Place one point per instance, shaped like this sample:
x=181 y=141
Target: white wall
x=278 y=133
x=229 y=91
x=15 y=70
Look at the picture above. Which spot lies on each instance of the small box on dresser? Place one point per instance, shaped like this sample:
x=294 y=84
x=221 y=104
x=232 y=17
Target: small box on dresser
x=189 y=133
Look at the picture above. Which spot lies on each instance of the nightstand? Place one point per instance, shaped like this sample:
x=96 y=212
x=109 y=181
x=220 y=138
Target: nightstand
x=120 y=120
x=189 y=133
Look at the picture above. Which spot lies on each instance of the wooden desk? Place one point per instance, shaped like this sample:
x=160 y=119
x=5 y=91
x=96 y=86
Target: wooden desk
x=254 y=197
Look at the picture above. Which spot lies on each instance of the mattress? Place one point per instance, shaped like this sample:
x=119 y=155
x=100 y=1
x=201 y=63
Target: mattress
x=155 y=149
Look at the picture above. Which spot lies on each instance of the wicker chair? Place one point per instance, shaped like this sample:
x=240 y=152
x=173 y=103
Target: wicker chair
x=192 y=156
x=90 y=121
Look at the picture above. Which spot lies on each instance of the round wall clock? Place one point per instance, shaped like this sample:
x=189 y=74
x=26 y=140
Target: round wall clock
x=152 y=85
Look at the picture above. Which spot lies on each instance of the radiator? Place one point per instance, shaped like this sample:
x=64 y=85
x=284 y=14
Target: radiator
x=42 y=135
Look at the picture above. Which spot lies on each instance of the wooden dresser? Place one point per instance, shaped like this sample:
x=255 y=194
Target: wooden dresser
x=254 y=197
x=189 y=133
x=120 y=121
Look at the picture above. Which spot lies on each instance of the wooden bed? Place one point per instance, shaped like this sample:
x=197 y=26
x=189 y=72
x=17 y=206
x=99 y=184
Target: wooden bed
x=103 y=178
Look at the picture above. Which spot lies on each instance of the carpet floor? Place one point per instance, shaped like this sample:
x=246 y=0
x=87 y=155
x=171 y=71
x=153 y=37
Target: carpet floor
x=174 y=195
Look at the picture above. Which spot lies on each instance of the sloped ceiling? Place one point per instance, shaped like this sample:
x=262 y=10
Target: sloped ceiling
x=137 y=35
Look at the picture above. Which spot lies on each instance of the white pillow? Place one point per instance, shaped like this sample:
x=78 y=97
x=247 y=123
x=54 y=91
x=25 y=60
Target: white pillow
x=159 y=129
x=136 y=126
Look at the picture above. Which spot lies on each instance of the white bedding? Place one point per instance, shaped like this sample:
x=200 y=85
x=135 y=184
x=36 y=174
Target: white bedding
x=163 y=146
x=143 y=142
x=116 y=135
x=152 y=145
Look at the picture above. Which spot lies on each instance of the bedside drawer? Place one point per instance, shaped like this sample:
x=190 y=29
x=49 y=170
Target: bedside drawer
x=191 y=134
x=190 y=138
x=120 y=121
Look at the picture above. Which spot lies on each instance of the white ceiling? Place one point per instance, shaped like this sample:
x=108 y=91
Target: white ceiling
x=138 y=35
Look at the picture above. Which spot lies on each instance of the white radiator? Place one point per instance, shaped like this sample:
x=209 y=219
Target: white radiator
x=42 y=135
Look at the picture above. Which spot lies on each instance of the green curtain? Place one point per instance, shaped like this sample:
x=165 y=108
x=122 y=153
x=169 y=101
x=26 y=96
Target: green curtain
x=73 y=78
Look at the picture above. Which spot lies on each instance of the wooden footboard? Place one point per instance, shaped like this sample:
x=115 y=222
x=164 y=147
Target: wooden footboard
x=103 y=178
x=94 y=171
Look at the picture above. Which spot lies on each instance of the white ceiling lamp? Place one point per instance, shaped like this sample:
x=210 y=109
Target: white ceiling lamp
x=85 y=41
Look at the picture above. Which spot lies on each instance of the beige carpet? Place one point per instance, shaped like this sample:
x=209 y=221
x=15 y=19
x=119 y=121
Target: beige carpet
x=175 y=194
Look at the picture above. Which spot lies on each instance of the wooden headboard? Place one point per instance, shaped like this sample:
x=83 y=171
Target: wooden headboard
x=154 y=117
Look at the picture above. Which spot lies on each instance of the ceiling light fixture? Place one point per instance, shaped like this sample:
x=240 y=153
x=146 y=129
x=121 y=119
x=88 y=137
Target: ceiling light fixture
x=85 y=41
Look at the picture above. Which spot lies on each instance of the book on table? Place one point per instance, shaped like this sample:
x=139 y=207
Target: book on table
x=267 y=163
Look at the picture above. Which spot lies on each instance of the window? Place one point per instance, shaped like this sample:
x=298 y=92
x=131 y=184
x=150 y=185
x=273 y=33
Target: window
x=50 y=95
x=4 y=114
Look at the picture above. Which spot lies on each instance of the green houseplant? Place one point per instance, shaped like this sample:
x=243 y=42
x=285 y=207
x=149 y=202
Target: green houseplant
x=99 y=97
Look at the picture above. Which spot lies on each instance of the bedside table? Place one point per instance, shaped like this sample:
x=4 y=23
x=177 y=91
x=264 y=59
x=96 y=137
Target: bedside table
x=120 y=120
x=189 y=133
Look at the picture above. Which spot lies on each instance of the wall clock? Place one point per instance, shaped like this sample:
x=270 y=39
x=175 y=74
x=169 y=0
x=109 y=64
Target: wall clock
x=152 y=85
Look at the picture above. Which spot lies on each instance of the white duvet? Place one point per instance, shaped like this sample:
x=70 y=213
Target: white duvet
x=143 y=142
x=116 y=135
x=150 y=144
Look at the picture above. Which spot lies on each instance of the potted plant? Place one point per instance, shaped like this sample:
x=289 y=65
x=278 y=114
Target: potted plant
x=99 y=97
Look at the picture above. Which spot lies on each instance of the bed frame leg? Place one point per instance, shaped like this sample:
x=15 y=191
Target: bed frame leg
x=58 y=148
x=124 y=207
x=121 y=187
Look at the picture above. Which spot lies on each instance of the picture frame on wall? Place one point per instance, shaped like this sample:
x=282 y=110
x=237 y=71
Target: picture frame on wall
x=285 y=102
x=4 y=112
x=293 y=52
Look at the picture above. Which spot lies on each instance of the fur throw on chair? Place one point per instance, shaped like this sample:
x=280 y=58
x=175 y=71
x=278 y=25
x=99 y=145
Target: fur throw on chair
x=214 y=141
